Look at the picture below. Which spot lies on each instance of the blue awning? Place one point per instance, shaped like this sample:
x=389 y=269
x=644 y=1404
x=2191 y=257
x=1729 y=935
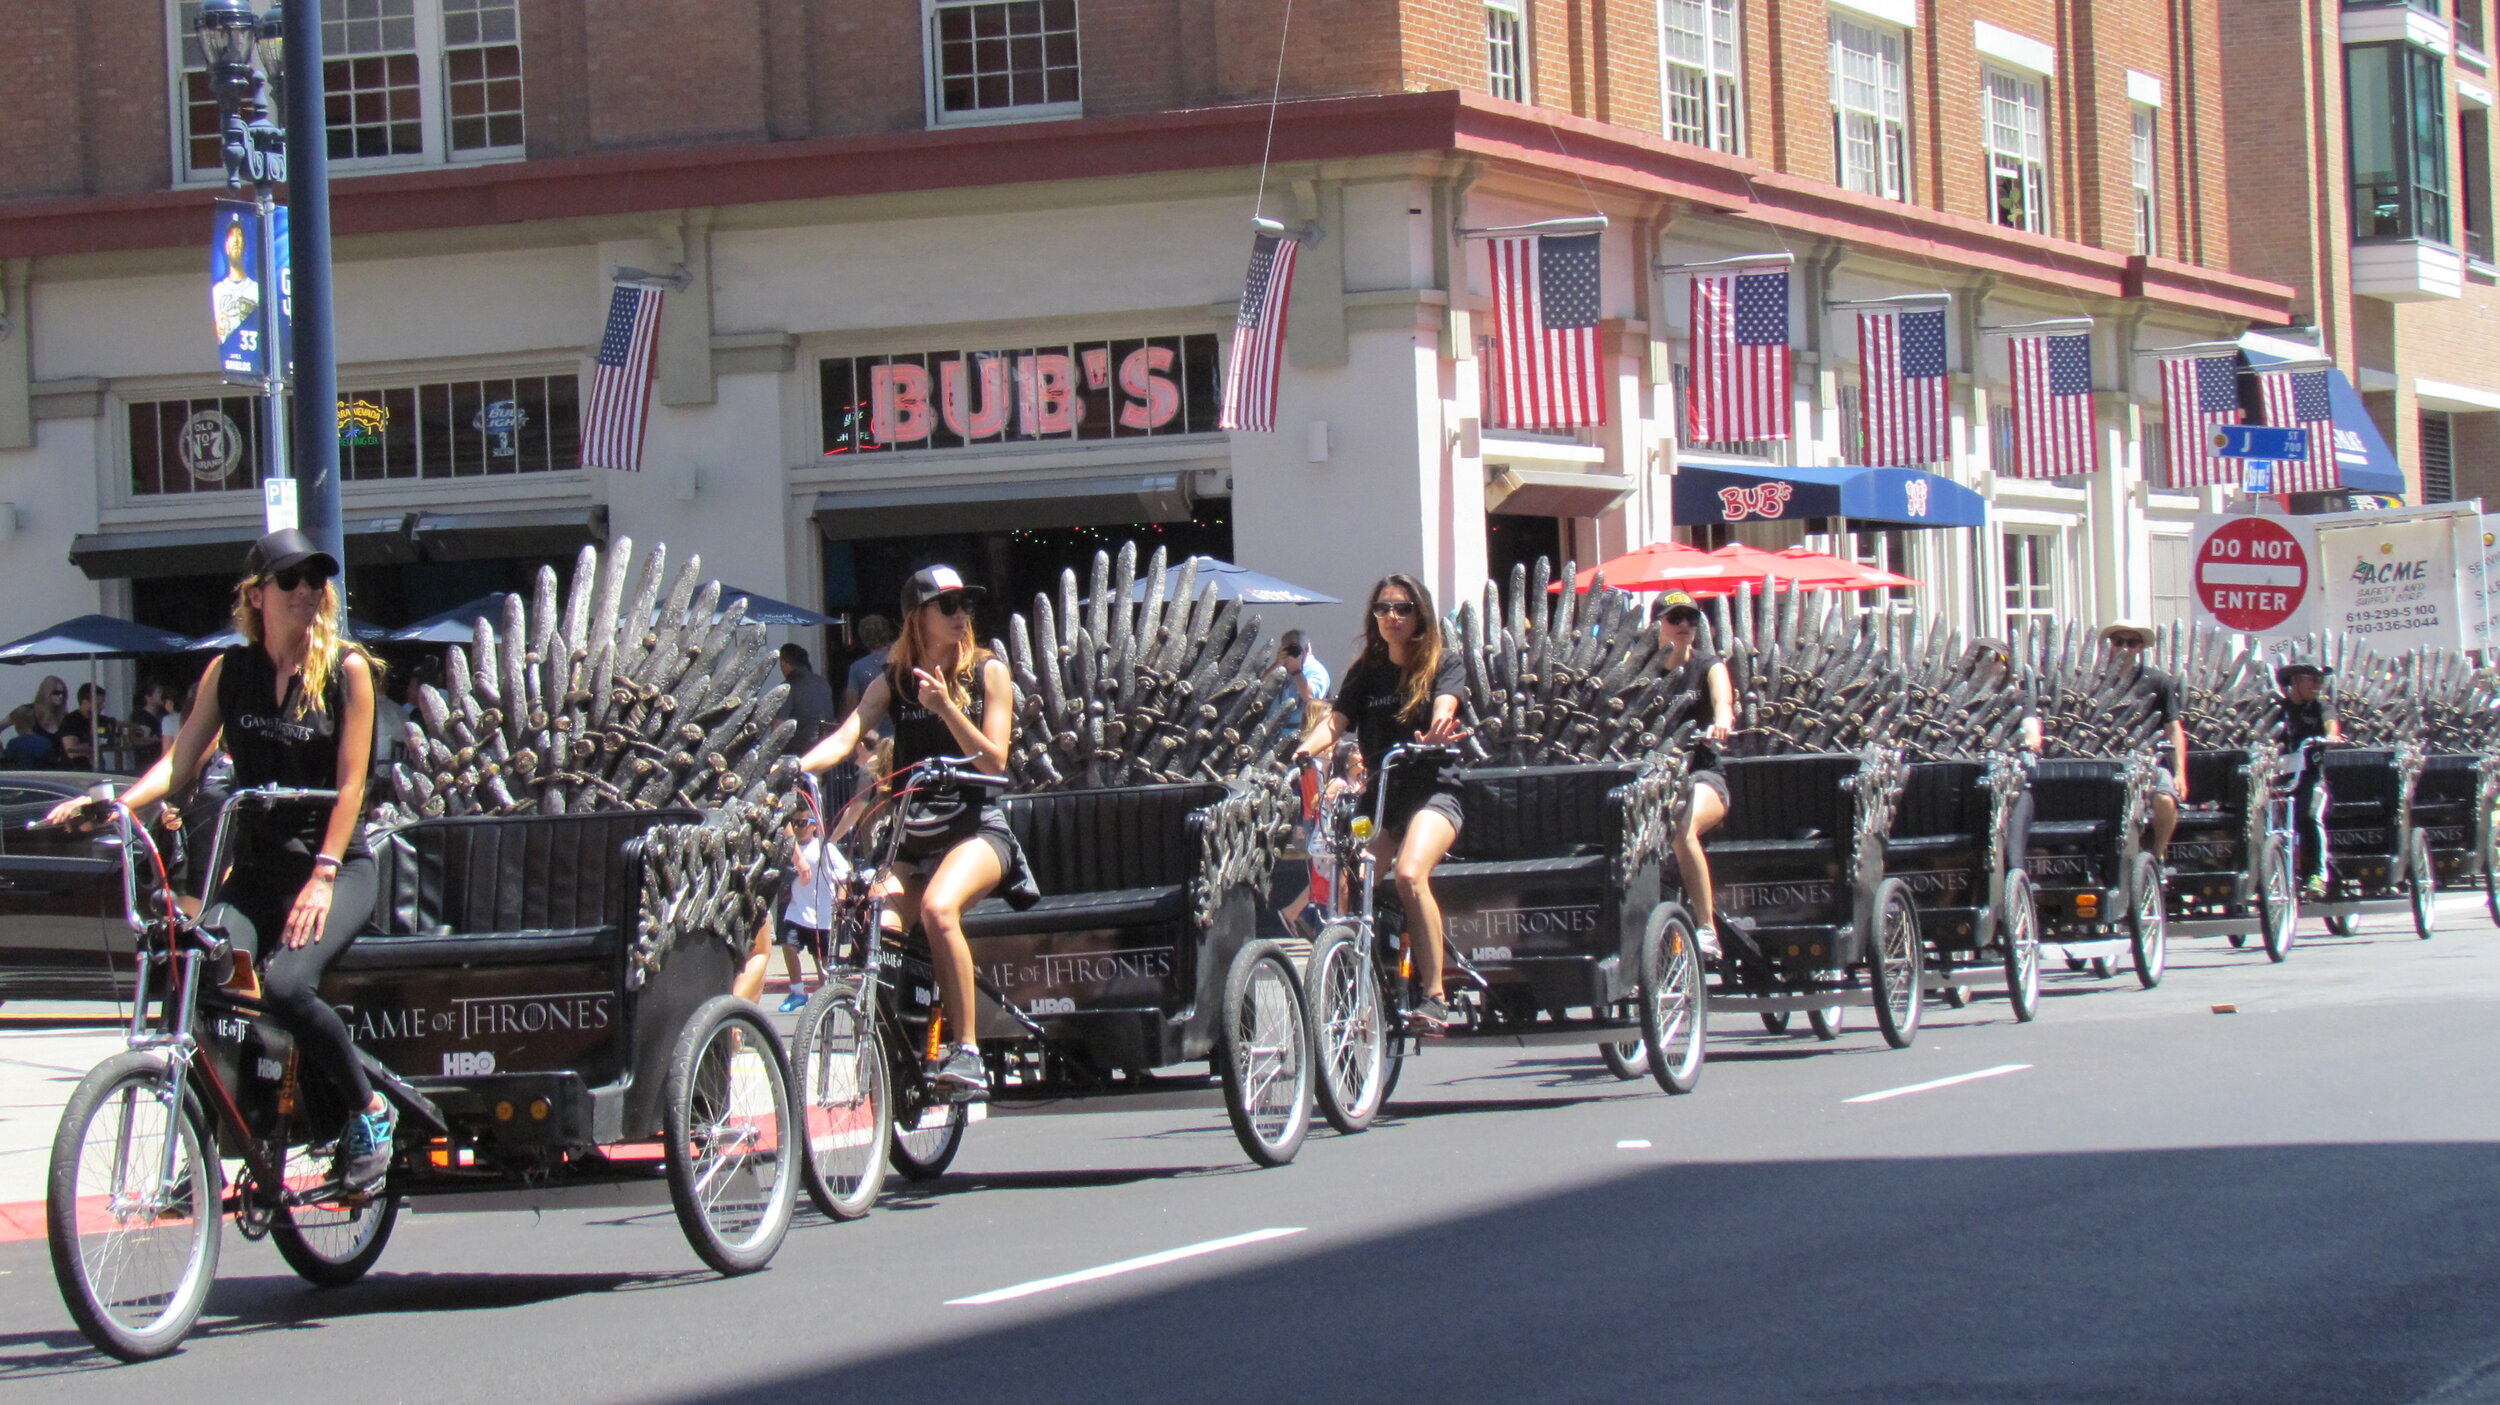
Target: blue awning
x=1894 y=497
x=2363 y=462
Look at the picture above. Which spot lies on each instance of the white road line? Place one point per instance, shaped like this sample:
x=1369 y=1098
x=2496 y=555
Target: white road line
x=1632 y=1146
x=1935 y=1084
x=1088 y=1275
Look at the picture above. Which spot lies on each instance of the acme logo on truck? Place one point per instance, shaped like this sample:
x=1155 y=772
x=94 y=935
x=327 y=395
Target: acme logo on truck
x=2388 y=573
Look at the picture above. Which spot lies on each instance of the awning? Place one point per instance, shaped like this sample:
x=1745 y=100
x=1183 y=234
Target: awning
x=486 y=536
x=218 y=551
x=1008 y=505
x=2363 y=462
x=1894 y=497
x=1554 y=492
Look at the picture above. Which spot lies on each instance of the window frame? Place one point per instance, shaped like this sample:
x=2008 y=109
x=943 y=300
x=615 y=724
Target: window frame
x=1893 y=174
x=2040 y=581
x=2144 y=176
x=2426 y=213
x=1723 y=88
x=2473 y=177
x=933 y=79
x=432 y=54
x=1520 y=77
x=2029 y=170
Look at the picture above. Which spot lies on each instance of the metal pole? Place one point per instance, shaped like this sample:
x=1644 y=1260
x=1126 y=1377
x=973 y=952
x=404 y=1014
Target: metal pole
x=308 y=220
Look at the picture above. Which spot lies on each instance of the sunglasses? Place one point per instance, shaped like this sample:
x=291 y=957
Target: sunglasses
x=294 y=576
x=1684 y=617
x=1393 y=609
x=2126 y=641
x=1292 y=651
x=951 y=605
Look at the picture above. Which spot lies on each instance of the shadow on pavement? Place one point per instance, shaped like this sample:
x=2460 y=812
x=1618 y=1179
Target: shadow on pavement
x=2351 y=1274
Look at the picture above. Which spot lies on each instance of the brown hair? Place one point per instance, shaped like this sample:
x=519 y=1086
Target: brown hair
x=1423 y=656
x=325 y=651
x=910 y=651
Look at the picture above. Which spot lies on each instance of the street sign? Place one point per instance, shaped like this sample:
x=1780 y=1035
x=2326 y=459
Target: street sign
x=2257 y=475
x=2252 y=574
x=277 y=501
x=2258 y=441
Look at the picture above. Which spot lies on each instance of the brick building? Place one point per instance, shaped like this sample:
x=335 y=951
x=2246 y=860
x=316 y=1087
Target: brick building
x=2361 y=177
x=948 y=182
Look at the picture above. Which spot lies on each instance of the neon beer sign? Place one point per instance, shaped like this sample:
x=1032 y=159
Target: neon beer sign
x=1086 y=390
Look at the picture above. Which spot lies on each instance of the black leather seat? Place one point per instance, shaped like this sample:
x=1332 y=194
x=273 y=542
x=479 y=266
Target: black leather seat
x=1103 y=858
x=1535 y=813
x=517 y=890
x=1064 y=912
x=2361 y=788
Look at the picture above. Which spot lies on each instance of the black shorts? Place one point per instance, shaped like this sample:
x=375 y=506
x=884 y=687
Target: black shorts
x=920 y=854
x=1711 y=780
x=789 y=933
x=1408 y=800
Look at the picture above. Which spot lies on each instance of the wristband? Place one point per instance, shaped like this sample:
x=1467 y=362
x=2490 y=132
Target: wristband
x=325 y=866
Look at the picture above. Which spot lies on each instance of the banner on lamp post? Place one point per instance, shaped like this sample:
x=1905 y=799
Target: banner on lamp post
x=235 y=290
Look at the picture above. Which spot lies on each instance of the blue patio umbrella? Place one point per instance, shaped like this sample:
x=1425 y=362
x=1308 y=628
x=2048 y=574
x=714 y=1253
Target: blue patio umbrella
x=455 y=625
x=93 y=637
x=1238 y=583
x=763 y=609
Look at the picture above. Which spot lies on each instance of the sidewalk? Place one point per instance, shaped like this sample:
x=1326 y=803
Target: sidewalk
x=44 y=1050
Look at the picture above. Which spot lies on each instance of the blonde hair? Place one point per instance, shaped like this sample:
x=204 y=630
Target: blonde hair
x=48 y=714
x=325 y=649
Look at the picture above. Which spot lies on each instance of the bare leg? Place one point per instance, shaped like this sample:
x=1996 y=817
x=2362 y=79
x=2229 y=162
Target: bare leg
x=2165 y=819
x=1429 y=836
x=750 y=983
x=1706 y=812
x=790 y=959
x=967 y=874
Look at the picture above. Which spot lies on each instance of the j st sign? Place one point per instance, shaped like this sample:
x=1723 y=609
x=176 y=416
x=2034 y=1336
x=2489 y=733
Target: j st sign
x=2257 y=441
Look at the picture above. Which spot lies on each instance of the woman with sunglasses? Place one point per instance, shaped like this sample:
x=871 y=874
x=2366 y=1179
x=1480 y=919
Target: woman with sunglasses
x=1701 y=679
x=51 y=707
x=1405 y=686
x=947 y=696
x=294 y=707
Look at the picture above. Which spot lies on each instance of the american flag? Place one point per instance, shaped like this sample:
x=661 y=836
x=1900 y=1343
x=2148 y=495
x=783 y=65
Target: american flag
x=2199 y=394
x=1903 y=387
x=1545 y=371
x=2053 y=428
x=620 y=399
x=2299 y=399
x=1740 y=383
x=1250 y=376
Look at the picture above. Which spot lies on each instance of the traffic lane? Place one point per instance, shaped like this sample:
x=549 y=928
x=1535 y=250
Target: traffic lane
x=1484 y=1135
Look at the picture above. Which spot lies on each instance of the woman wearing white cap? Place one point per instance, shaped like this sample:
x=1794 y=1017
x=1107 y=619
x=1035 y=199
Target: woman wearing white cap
x=947 y=696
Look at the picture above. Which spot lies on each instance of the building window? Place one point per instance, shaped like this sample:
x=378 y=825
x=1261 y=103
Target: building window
x=2173 y=579
x=1704 y=51
x=2018 y=151
x=1871 y=108
x=2474 y=181
x=2439 y=462
x=1767 y=450
x=2147 y=180
x=2030 y=583
x=1885 y=550
x=409 y=82
x=2467 y=25
x=1505 y=50
x=447 y=429
x=2395 y=104
x=1004 y=58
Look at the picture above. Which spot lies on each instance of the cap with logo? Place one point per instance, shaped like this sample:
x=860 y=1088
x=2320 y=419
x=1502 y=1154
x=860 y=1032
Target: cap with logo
x=930 y=582
x=284 y=550
x=1674 y=601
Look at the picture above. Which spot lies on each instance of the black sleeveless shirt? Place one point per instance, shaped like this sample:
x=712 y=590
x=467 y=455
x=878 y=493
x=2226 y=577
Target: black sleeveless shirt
x=273 y=742
x=920 y=733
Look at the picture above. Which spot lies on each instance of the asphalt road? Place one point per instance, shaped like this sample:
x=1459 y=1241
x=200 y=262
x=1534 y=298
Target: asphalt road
x=2290 y=1203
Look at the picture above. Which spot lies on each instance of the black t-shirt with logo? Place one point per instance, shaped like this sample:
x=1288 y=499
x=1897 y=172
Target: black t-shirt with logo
x=276 y=741
x=1372 y=697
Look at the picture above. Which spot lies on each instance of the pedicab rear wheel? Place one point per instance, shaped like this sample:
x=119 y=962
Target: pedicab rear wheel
x=1263 y=1050
x=1627 y=1060
x=1775 y=1021
x=1895 y=963
x=1674 y=1000
x=1828 y=1023
x=2148 y=923
x=727 y=1111
x=2422 y=885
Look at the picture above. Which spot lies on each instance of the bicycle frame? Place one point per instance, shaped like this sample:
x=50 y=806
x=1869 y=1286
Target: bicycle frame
x=1366 y=866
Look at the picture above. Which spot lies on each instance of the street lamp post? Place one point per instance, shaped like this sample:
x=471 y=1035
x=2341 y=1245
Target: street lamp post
x=289 y=42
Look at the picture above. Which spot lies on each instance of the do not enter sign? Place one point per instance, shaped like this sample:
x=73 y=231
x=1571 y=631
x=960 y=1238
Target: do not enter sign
x=2252 y=574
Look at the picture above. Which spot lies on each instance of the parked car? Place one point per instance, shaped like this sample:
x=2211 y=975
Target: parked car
x=61 y=931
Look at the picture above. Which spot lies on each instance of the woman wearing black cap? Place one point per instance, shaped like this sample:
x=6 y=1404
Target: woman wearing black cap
x=1710 y=704
x=294 y=706
x=947 y=696
x=1404 y=686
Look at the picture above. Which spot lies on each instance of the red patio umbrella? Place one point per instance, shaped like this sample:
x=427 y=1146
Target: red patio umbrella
x=1803 y=569
x=1661 y=566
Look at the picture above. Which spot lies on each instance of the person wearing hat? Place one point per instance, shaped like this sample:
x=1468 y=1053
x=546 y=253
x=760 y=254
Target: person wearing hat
x=2127 y=640
x=2302 y=713
x=947 y=696
x=1700 y=679
x=293 y=706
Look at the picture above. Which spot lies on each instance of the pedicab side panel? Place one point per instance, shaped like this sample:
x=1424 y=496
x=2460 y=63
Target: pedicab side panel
x=2212 y=869
x=2368 y=820
x=1945 y=845
x=1782 y=858
x=495 y=976
x=2447 y=813
x=2085 y=836
x=1546 y=890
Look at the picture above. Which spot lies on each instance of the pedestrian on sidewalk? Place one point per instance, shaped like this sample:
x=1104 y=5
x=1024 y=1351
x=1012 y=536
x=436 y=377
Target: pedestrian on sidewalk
x=815 y=867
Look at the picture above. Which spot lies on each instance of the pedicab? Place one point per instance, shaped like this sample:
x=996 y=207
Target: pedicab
x=1952 y=842
x=498 y=1002
x=2099 y=891
x=2377 y=862
x=2456 y=809
x=2230 y=871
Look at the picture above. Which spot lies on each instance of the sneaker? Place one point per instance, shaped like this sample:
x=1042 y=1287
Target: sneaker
x=796 y=1000
x=962 y=1070
x=1430 y=1017
x=2313 y=888
x=1712 y=947
x=365 y=1148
